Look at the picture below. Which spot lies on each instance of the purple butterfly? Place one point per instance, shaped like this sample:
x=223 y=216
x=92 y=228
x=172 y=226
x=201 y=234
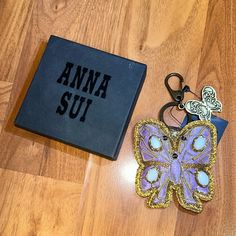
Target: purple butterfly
x=171 y=160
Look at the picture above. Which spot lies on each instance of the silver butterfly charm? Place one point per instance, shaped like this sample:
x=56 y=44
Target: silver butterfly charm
x=204 y=108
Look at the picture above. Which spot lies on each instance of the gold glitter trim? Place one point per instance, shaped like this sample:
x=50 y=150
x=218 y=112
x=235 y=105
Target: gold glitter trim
x=175 y=143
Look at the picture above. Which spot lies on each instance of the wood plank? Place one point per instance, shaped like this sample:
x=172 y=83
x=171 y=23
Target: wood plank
x=5 y=92
x=183 y=36
x=110 y=204
x=217 y=68
x=33 y=205
x=14 y=21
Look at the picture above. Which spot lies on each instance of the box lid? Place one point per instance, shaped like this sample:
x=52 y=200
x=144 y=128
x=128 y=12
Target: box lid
x=82 y=96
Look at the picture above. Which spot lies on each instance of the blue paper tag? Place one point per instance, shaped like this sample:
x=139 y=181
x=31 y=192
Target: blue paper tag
x=219 y=123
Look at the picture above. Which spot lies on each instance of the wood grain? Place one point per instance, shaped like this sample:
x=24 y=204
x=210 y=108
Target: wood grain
x=5 y=92
x=218 y=69
x=49 y=188
x=33 y=205
x=14 y=21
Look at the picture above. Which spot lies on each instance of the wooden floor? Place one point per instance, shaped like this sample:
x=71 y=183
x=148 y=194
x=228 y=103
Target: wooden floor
x=48 y=188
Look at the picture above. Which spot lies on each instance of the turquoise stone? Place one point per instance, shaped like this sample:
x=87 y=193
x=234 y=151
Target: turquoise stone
x=155 y=142
x=199 y=143
x=152 y=175
x=202 y=178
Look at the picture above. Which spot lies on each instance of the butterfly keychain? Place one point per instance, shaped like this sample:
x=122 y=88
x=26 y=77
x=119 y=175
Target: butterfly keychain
x=175 y=160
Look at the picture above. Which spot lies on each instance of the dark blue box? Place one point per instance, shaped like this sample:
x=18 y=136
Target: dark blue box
x=82 y=96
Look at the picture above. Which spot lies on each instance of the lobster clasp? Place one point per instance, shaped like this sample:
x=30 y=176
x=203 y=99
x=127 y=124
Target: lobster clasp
x=177 y=95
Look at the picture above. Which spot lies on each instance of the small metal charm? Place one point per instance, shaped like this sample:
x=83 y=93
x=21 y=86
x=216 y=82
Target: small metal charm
x=204 y=108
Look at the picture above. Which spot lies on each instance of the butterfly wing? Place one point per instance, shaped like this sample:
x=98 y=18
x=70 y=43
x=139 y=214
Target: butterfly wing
x=198 y=108
x=152 y=146
x=209 y=98
x=197 y=156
